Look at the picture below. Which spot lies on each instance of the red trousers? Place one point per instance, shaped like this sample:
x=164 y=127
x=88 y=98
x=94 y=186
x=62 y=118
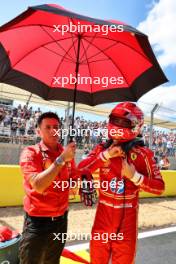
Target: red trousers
x=121 y=250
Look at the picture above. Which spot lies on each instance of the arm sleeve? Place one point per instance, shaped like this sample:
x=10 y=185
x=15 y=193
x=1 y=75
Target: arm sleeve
x=30 y=163
x=152 y=179
x=93 y=161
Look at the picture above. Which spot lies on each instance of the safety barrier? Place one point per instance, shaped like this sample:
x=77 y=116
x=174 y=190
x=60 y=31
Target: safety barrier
x=12 y=193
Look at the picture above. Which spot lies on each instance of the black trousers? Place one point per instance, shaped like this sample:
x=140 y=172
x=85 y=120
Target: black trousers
x=42 y=240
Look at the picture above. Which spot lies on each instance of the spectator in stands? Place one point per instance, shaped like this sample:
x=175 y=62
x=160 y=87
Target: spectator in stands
x=7 y=118
x=14 y=127
x=22 y=128
x=169 y=147
x=31 y=128
x=2 y=114
x=164 y=163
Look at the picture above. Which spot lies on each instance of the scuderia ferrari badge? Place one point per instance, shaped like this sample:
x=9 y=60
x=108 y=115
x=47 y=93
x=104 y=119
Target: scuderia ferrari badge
x=133 y=156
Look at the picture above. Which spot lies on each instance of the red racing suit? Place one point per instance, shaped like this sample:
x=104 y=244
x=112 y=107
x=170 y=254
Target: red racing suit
x=114 y=232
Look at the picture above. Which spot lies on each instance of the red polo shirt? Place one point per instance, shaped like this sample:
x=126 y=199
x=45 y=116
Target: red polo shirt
x=54 y=200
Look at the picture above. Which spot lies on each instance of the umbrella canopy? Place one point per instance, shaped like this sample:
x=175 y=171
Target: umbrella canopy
x=42 y=52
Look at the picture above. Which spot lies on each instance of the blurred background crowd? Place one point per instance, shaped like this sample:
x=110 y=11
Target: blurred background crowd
x=17 y=126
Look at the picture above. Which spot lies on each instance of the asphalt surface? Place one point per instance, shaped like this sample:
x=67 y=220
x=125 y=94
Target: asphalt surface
x=157 y=250
x=160 y=249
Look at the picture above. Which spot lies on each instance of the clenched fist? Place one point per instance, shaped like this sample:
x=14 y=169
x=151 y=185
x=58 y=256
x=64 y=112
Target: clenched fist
x=115 y=151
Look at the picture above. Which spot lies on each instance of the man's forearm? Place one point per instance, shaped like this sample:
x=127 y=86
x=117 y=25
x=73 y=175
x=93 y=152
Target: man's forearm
x=43 y=180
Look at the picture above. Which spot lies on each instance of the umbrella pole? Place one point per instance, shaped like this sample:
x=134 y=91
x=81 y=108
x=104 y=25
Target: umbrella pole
x=75 y=90
x=27 y=103
x=67 y=124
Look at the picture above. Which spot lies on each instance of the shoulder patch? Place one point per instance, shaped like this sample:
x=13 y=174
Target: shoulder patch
x=133 y=156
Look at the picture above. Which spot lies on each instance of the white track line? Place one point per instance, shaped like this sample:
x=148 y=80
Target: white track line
x=82 y=246
x=158 y=232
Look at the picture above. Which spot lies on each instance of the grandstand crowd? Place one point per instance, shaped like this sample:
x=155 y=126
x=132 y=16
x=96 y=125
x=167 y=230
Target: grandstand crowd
x=17 y=125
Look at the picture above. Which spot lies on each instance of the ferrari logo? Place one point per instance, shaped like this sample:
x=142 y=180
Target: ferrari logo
x=133 y=156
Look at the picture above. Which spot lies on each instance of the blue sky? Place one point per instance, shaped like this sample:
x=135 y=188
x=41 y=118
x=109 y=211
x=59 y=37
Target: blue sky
x=129 y=11
x=149 y=16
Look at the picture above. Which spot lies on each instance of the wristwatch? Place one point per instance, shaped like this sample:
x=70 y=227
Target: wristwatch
x=59 y=161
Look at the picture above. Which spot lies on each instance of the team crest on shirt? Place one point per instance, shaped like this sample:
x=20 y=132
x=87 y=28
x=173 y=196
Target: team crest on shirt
x=133 y=156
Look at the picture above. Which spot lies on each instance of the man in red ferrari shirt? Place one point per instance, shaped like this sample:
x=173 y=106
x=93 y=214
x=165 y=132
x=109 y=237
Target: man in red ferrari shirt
x=45 y=166
x=127 y=166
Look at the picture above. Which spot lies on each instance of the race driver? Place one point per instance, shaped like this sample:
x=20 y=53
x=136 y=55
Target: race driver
x=126 y=172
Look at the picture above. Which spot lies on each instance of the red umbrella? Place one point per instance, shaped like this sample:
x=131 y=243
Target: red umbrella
x=46 y=47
